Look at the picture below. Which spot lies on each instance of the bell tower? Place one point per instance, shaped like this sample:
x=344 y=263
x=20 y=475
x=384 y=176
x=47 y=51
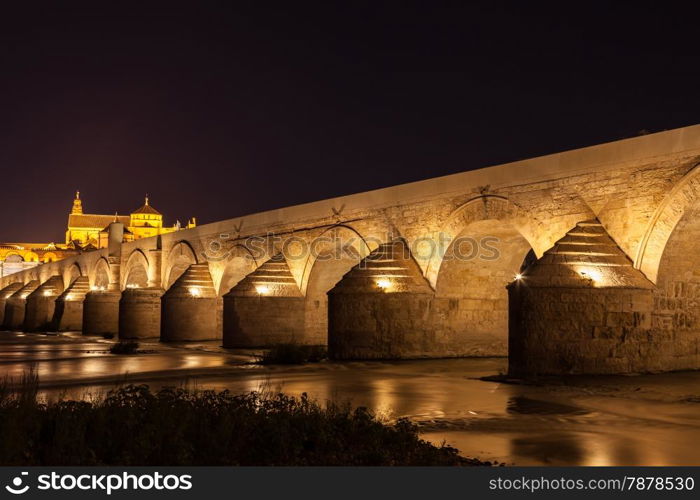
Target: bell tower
x=77 y=204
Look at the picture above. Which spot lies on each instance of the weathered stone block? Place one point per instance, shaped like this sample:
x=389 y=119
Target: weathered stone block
x=263 y=321
x=101 y=313
x=139 y=313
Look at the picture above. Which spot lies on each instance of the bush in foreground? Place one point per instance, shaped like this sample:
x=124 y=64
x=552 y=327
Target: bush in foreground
x=292 y=354
x=134 y=426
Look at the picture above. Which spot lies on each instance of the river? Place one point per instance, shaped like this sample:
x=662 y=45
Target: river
x=612 y=420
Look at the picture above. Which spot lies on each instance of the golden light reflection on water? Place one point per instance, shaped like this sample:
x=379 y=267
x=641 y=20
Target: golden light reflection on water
x=525 y=425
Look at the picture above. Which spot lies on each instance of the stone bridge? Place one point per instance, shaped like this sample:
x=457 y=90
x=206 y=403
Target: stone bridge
x=578 y=262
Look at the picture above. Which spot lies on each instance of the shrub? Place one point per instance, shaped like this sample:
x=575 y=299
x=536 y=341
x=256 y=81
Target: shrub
x=124 y=347
x=134 y=426
x=292 y=354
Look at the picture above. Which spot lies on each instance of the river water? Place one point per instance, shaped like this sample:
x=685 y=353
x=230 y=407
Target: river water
x=613 y=420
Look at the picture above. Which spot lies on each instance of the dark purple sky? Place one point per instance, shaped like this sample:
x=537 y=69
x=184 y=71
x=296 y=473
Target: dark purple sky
x=227 y=109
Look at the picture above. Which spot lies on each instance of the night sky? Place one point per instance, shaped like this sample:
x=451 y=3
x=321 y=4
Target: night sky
x=223 y=109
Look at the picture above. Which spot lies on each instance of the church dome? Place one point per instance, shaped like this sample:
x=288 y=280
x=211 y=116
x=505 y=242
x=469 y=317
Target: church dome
x=146 y=209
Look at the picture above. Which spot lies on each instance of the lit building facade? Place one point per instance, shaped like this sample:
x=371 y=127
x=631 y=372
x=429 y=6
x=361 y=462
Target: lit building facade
x=84 y=232
x=89 y=231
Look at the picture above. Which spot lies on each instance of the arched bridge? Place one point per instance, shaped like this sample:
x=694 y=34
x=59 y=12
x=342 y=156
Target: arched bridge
x=584 y=261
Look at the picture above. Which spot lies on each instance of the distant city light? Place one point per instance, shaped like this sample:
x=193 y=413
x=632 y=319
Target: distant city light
x=132 y=285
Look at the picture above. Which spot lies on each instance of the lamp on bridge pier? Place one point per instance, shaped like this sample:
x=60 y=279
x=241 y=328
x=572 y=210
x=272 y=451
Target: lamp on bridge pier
x=384 y=283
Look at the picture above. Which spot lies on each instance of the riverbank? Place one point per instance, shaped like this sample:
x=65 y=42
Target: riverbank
x=134 y=426
x=626 y=420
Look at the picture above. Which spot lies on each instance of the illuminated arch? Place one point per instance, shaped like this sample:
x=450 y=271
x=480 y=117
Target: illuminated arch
x=486 y=208
x=49 y=257
x=100 y=275
x=13 y=257
x=360 y=245
x=684 y=195
x=71 y=273
x=239 y=263
x=136 y=271
x=322 y=270
x=180 y=257
x=31 y=257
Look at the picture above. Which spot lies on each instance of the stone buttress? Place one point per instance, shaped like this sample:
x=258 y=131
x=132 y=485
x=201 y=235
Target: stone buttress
x=68 y=314
x=5 y=294
x=265 y=308
x=581 y=308
x=381 y=308
x=189 y=307
x=41 y=305
x=139 y=313
x=101 y=312
x=15 y=306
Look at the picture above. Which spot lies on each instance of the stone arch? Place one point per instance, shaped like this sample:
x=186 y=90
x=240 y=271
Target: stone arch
x=13 y=258
x=31 y=257
x=99 y=277
x=71 y=273
x=336 y=251
x=136 y=271
x=358 y=243
x=498 y=209
x=681 y=199
x=180 y=257
x=671 y=260
x=471 y=299
x=239 y=263
x=49 y=257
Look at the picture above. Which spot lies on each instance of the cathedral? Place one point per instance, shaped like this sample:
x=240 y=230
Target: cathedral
x=84 y=232
x=89 y=231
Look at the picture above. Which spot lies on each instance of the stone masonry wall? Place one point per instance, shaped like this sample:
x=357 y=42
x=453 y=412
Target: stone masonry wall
x=263 y=321
x=575 y=330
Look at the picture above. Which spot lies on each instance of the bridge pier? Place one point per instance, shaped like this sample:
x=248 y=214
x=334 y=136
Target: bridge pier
x=581 y=308
x=101 y=313
x=139 y=313
x=189 y=307
x=41 y=304
x=381 y=308
x=16 y=306
x=5 y=294
x=68 y=314
x=265 y=308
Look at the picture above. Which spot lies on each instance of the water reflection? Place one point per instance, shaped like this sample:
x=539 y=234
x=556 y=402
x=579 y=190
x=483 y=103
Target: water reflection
x=527 y=406
x=608 y=421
